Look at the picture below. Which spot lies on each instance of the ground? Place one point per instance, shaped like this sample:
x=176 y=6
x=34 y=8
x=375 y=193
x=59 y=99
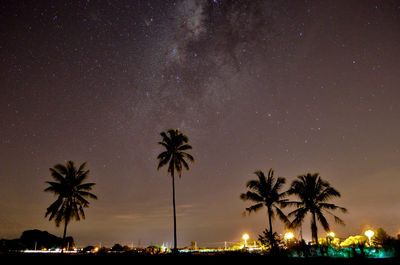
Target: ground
x=114 y=259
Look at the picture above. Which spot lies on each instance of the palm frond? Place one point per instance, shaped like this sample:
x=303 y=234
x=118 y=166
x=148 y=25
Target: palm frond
x=260 y=175
x=87 y=194
x=298 y=211
x=165 y=138
x=184 y=147
x=167 y=147
x=278 y=185
x=299 y=217
x=54 y=187
x=185 y=164
x=293 y=203
x=82 y=166
x=162 y=162
x=164 y=155
x=57 y=176
x=81 y=176
x=254 y=208
x=62 y=169
x=332 y=206
x=321 y=218
x=328 y=193
x=188 y=156
x=338 y=220
x=282 y=216
x=251 y=196
x=85 y=186
x=253 y=185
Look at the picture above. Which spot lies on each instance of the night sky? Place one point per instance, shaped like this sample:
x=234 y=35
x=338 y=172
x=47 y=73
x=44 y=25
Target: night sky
x=299 y=86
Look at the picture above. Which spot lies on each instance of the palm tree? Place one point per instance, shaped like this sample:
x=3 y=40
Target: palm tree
x=175 y=144
x=72 y=194
x=313 y=193
x=264 y=191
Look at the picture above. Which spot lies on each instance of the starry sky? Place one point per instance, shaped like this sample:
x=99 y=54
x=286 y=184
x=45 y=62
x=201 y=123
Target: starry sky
x=297 y=86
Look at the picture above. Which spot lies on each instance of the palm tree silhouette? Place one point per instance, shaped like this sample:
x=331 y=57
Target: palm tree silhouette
x=72 y=194
x=175 y=144
x=264 y=192
x=313 y=193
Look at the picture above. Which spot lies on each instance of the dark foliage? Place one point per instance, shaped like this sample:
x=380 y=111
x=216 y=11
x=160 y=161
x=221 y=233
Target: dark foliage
x=272 y=240
x=32 y=239
x=217 y=258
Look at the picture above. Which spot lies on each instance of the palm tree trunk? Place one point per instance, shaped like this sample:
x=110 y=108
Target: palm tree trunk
x=64 y=235
x=301 y=231
x=270 y=220
x=314 y=229
x=175 y=250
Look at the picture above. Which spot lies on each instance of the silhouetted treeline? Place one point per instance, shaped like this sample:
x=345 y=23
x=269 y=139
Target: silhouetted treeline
x=34 y=239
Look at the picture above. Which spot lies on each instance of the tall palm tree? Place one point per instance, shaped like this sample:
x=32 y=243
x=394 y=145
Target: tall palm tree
x=313 y=193
x=265 y=191
x=72 y=194
x=176 y=145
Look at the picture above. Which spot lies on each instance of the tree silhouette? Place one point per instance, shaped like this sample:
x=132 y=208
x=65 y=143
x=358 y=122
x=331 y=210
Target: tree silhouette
x=72 y=194
x=175 y=144
x=313 y=193
x=270 y=239
x=264 y=191
x=380 y=238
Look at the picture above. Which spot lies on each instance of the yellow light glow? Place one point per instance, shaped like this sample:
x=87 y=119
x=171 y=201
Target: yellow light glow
x=288 y=235
x=369 y=233
x=245 y=236
x=331 y=234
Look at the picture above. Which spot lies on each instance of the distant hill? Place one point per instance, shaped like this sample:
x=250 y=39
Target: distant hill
x=32 y=239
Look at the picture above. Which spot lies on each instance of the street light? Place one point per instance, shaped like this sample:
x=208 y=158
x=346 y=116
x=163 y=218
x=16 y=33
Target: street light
x=288 y=236
x=369 y=234
x=329 y=237
x=331 y=234
x=245 y=237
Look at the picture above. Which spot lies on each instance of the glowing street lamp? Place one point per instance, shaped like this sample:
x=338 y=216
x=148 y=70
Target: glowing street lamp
x=331 y=234
x=288 y=236
x=369 y=234
x=245 y=237
x=329 y=237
